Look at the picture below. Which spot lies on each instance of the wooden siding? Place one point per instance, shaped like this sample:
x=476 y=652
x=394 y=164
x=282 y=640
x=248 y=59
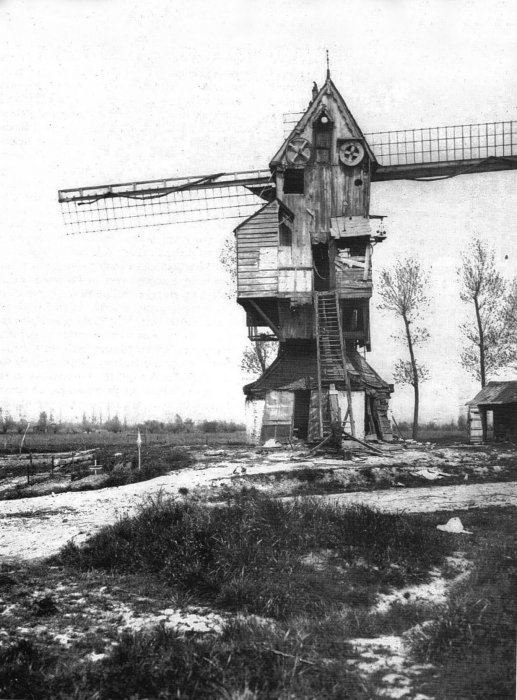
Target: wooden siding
x=257 y=260
x=475 y=426
x=352 y=283
x=350 y=227
x=300 y=254
x=293 y=281
x=297 y=323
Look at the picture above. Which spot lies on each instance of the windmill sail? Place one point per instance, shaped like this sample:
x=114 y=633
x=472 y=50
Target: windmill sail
x=430 y=153
x=438 y=152
x=162 y=202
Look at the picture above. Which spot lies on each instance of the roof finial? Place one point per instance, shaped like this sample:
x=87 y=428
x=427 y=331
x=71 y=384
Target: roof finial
x=328 y=66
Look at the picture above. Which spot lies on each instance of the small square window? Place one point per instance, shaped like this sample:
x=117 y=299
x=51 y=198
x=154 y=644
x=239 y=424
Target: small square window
x=322 y=155
x=294 y=181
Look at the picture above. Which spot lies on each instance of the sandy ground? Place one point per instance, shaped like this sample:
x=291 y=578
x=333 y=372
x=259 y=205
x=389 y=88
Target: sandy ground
x=34 y=528
x=434 y=498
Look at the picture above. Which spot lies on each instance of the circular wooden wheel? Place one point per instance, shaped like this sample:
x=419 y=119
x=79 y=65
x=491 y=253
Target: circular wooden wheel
x=298 y=151
x=351 y=153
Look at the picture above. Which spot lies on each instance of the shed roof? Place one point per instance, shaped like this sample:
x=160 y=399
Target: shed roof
x=496 y=393
x=267 y=214
x=296 y=368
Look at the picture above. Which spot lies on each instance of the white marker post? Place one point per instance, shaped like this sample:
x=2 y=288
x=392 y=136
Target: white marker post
x=139 y=443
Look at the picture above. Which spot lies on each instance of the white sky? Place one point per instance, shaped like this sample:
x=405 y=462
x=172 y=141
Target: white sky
x=102 y=91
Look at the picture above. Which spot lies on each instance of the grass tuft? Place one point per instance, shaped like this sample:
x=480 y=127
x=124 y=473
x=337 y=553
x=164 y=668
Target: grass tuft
x=155 y=464
x=473 y=641
x=249 y=555
x=249 y=660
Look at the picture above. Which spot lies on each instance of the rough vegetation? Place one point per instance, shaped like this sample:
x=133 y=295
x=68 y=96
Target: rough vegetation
x=249 y=556
x=257 y=598
x=473 y=640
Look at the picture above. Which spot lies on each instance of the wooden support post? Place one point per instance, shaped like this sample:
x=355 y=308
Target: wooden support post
x=29 y=469
x=367 y=260
x=23 y=438
x=397 y=426
x=320 y=444
x=318 y=360
x=345 y=370
x=365 y=444
x=266 y=318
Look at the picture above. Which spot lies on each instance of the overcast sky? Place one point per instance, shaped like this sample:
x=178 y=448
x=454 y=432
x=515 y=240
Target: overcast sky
x=103 y=91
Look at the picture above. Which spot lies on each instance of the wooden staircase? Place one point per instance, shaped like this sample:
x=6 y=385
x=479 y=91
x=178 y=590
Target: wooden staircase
x=331 y=360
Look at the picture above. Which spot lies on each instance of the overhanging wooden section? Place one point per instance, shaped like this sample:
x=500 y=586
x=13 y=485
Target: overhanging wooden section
x=418 y=171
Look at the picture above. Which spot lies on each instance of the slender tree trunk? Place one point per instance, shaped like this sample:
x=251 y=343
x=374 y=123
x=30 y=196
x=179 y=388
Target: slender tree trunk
x=482 y=370
x=415 y=379
x=259 y=351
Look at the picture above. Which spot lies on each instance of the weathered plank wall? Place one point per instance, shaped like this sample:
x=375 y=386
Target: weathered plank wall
x=257 y=254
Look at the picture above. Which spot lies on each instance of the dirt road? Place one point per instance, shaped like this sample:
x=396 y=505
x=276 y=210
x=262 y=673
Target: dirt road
x=427 y=500
x=34 y=528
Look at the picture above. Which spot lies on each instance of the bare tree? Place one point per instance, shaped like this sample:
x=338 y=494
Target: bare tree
x=510 y=315
x=228 y=259
x=403 y=292
x=258 y=355
x=490 y=335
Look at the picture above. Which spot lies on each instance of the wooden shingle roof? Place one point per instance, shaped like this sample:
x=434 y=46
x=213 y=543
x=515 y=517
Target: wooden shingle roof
x=496 y=393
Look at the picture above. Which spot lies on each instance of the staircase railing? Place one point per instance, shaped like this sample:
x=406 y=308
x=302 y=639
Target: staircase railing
x=331 y=352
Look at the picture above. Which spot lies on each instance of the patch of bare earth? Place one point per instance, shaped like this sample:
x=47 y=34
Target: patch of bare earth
x=34 y=528
x=86 y=614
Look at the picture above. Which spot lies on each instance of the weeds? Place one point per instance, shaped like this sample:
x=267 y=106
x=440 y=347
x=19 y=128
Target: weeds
x=473 y=641
x=248 y=556
x=248 y=660
x=154 y=464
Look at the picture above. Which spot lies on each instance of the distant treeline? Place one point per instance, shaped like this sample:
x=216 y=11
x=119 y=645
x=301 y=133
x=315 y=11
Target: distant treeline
x=47 y=424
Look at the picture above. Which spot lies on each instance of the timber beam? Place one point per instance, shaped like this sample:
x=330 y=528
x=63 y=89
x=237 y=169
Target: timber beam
x=442 y=170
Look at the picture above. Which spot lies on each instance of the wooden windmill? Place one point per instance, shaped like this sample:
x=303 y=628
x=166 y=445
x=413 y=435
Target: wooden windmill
x=304 y=254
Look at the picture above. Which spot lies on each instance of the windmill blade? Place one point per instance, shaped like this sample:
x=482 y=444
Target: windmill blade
x=163 y=202
x=438 y=152
x=443 y=152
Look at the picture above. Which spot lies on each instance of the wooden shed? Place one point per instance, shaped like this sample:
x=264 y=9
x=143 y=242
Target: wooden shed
x=493 y=413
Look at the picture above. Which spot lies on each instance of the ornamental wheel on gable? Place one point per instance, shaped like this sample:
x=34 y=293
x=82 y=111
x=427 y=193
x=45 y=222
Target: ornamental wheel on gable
x=298 y=151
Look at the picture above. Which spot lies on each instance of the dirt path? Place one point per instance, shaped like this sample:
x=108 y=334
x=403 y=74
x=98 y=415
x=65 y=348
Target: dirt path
x=427 y=500
x=35 y=528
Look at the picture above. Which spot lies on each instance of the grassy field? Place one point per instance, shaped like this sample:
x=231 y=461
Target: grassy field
x=52 y=442
x=294 y=585
x=119 y=467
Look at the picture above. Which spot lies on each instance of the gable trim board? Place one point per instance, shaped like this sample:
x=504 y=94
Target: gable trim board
x=328 y=90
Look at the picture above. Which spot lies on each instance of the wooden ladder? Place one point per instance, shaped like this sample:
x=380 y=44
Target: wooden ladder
x=331 y=355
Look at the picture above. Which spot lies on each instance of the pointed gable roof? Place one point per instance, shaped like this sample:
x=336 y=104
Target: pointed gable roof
x=318 y=105
x=265 y=212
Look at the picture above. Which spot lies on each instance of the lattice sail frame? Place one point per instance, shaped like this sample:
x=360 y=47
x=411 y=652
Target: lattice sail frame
x=442 y=144
x=163 y=202
x=410 y=153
